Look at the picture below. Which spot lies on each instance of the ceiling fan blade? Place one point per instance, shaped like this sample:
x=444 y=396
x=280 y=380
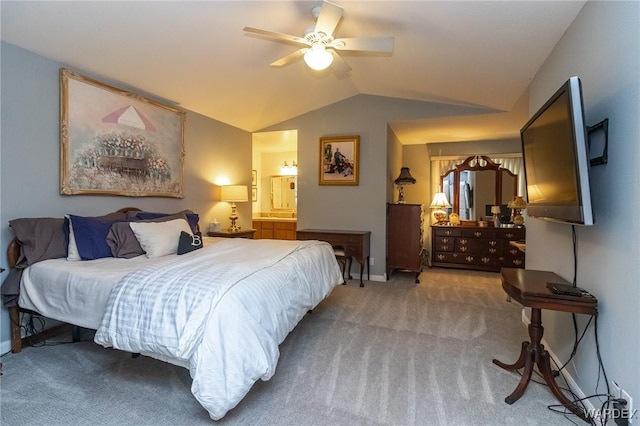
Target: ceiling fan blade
x=329 y=17
x=289 y=58
x=365 y=44
x=277 y=36
x=339 y=66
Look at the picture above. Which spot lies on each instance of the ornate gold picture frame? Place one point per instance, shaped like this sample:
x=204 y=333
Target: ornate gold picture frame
x=339 y=160
x=114 y=142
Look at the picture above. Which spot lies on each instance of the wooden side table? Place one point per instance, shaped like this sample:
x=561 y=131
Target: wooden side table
x=349 y=243
x=529 y=288
x=247 y=233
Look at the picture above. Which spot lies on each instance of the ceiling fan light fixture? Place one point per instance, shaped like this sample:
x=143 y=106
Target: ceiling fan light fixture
x=317 y=57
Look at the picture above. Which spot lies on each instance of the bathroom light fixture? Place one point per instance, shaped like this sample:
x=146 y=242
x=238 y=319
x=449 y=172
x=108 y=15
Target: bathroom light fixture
x=288 y=170
x=234 y=194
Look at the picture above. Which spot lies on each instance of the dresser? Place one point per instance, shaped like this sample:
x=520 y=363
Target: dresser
x=471 y=247
x=404 y=238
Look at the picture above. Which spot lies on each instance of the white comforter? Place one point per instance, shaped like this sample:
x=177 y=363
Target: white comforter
x=223 y=310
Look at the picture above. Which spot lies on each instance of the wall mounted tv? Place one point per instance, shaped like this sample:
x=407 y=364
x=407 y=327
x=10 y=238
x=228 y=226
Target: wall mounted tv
x=556 y=164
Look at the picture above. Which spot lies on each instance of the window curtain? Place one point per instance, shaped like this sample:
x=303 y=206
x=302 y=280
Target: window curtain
x=514 y=165
x=438 y=168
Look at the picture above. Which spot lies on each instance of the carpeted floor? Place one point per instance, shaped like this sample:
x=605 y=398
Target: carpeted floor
x=394 y=353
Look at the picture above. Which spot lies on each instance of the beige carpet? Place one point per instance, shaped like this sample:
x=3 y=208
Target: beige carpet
x=394 y=353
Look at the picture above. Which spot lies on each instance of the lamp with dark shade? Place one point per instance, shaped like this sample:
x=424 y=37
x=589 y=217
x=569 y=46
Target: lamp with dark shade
x=234 y=194
x=405 y=178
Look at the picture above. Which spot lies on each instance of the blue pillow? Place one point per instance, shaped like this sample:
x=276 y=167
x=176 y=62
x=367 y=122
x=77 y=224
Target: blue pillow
x=91 y=236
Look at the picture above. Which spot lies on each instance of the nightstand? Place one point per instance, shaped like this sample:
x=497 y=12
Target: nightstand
x=247 y=233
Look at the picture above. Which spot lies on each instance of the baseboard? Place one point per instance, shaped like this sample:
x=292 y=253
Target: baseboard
x=5 y=346
x=381 y=278
x=573 y=385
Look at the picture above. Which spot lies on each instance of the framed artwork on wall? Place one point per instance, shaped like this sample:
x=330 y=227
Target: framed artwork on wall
x=254 y=178
x=254 y=194
x=339 y=160
x=114 y=142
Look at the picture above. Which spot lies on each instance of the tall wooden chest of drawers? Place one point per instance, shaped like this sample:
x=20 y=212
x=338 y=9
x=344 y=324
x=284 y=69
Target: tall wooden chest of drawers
x=470 y=247
x=404 y=238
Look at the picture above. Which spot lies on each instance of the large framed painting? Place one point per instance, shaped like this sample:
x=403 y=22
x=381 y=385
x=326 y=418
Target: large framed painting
x=114 y=142
x=339 y=160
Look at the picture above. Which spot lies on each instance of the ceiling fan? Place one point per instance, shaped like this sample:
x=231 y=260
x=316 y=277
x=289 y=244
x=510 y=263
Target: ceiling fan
x=319 y=47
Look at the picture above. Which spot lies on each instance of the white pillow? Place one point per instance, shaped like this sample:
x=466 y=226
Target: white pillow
x=72 y=248
x=159 y=238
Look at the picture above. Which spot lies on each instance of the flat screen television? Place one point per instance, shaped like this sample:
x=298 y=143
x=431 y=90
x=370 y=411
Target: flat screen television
x=556 y=164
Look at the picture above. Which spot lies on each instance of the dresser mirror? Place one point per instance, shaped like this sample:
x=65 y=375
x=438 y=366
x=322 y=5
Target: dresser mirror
x=476 y=183
x=283 y=193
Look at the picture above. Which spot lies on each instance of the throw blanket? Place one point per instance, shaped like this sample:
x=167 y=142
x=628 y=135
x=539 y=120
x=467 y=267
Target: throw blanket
x=163 y=309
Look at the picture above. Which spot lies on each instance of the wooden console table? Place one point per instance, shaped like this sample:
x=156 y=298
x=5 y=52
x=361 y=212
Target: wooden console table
x=243 y=233
x=354 y=243
x=529 y=288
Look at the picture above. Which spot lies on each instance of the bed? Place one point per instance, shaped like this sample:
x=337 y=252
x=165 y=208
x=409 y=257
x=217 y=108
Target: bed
x=221 y=311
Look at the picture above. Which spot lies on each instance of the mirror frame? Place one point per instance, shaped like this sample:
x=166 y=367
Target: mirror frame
x=476 y=163
x=272 y=202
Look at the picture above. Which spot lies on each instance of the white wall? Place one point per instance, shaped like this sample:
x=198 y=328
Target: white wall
x=601 y=47
x=215 y=153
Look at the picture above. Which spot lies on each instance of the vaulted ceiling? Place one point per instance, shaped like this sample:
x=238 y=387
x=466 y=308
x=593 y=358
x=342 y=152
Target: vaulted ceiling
x=196 y=54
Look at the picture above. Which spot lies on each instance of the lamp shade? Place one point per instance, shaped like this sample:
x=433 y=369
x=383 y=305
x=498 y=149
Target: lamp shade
x=440 y=201
x=405 y=177
x=495 y=209
x=317 y=57
x=517 y=203
x=234 y=193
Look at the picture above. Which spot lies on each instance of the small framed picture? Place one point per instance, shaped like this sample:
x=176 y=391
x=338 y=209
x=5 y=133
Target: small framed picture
x=339 y=160
x=254 y=194
x=254 y=178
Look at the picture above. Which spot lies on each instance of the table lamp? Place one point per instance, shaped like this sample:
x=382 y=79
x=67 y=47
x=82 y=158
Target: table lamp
x=234 y=194
x=405 y=178
x=439 y=204
x=516 y=205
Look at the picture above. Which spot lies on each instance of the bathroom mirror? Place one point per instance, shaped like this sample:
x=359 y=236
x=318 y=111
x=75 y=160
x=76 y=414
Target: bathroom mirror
x=284 y=192
x=476 y=183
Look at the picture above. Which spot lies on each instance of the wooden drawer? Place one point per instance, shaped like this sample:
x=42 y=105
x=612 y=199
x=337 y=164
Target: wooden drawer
x=515 y=262
x=512 y=234
x=447 y=232
x=459 y=258
x=444 y=244
x=473 y=245
x=479 y=233
x=272 y=229
x=288 y=226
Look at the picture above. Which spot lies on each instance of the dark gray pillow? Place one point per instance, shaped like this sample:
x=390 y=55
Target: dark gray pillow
x=189 y=242
x=123 y=241
x=39 y=239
